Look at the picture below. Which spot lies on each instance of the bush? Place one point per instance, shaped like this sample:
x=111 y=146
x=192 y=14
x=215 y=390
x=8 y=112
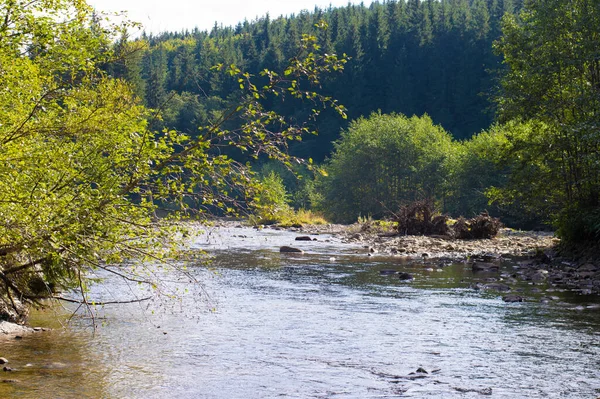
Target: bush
x=576 y=225
x=270 y=203
x=382 y=162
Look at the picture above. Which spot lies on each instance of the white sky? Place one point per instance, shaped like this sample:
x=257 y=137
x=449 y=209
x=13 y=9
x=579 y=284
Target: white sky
x=176 y=15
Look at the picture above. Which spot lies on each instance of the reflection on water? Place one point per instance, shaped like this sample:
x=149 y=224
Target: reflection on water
x=307 y=326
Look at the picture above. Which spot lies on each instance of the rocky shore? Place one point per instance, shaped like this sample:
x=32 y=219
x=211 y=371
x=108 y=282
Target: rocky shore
x=12 y=330
x=536 y=255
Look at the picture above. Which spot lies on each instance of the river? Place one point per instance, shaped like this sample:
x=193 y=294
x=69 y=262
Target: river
x=324 y=324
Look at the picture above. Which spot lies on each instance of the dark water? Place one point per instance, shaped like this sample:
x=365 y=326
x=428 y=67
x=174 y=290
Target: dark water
x=309 y=326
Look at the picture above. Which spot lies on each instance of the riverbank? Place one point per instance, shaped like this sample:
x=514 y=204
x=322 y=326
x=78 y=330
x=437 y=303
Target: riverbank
x=12 y=330
x=537 y=256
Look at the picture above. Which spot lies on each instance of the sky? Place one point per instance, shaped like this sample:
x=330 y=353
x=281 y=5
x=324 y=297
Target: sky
x=176 y=15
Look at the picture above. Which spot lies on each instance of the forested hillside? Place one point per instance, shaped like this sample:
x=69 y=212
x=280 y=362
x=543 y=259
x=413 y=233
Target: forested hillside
x=412 y=57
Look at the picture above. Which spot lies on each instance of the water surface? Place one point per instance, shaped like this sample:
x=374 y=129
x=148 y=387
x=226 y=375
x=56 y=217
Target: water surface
x=324 y=324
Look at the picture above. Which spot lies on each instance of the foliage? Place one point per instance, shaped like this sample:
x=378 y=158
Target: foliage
x=576 y=225
x=477 y=164
x=410 y=57
x=82 y=173
x=382 y=162
x=491 y=171
x=271 y=202
x=298 y=181
x=481 y=226
x=419 y=218
x=552 y=80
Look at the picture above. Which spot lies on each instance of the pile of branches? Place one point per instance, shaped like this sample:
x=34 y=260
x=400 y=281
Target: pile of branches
x=482 y=226
x=420 y=218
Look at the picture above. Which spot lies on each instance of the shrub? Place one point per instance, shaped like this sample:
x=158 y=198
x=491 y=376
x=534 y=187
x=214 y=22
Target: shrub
x=382 y=162
x=576 y=225
x=270 y=203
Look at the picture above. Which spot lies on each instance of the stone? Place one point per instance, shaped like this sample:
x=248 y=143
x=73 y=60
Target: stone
x=512 y=298
x=405 y=276
x=588 y=267
x=422 y=370
x=485 y=267
x=538 y=276
x=497 y=287
x=303 y=238
x=3 y=360
x=290 y=250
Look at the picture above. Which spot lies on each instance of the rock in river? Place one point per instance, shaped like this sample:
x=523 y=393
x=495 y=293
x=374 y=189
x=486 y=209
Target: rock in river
x=497 y=287
x=290 y=250
x=3 y=360
x=485 y=267
x=512 y=298
x=303 y=238
x=405 y=276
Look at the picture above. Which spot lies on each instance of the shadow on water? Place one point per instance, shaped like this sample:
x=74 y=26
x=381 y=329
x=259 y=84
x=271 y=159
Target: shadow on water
x=329 y=323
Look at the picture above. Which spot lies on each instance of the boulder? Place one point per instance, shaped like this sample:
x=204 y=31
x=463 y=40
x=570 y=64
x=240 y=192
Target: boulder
x=512 y=298
x=290 y=250
x=303 y=238
x=405 y=276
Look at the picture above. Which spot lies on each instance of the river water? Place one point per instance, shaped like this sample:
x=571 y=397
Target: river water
x=325 y=324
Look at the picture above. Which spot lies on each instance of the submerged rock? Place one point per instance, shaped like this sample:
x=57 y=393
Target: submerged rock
x=484 y=391
x=512 y=298
x=497 y=287
x=405 y=276
x=485 y=267
x=290 y=250
x=303 y=238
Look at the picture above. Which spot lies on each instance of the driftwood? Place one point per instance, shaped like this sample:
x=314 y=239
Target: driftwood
x=419 y=218
x=482 y=226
